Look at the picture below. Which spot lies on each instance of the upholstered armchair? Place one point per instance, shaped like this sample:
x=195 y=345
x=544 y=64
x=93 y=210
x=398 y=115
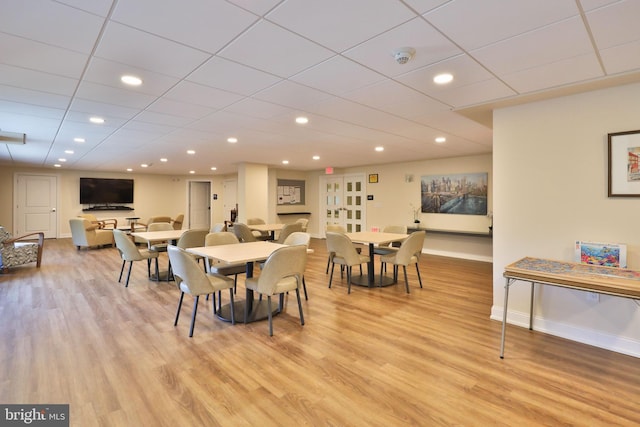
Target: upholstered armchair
x=109 y=223
x=177 y=223
x=86 y=234
x=20 y=250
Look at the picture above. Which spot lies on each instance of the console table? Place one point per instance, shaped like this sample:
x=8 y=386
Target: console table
x=614 y=281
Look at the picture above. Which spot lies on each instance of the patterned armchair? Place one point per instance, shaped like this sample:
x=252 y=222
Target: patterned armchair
x=20 y=250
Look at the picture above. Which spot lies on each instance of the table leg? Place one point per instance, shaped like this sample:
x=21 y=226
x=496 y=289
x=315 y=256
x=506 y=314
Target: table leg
x=531 y=307
x=504 y=315
x=370 y=279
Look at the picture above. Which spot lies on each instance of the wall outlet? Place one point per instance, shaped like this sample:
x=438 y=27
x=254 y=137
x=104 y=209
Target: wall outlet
x=593 y=296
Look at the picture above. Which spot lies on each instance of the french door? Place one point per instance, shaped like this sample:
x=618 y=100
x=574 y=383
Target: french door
x=343 y=201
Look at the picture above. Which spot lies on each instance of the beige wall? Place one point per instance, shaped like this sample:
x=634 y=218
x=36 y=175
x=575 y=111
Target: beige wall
x=550 y=189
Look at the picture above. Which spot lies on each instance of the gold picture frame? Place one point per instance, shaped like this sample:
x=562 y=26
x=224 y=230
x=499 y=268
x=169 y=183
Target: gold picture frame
x=373 y=178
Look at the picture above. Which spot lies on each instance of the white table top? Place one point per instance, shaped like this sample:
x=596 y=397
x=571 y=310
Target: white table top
x=156 y=236
x=237 y=252
x=266 y=227
x=376 y=237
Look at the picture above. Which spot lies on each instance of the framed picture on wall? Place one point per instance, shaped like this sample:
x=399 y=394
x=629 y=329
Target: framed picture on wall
x=624 y=164
x=373 y=178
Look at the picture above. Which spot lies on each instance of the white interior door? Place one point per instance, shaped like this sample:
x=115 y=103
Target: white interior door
x=199 y=204
x=36 y=199
x=229 y=197
x=343 y=201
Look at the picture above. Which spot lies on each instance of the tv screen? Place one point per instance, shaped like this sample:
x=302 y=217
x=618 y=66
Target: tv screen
x=105 y=191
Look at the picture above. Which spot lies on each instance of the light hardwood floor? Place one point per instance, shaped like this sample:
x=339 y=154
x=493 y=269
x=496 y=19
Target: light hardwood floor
x=378 y=357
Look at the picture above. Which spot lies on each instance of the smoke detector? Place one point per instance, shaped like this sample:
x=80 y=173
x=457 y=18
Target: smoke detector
x=403 y=54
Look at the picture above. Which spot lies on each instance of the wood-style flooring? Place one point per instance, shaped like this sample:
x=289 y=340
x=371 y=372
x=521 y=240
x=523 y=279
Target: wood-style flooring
x=378 y=357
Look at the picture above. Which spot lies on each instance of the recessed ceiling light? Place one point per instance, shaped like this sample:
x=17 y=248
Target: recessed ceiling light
x=285 y=162
x=191 y=152
x=164 y=160
x=441 y=139
x=192 y=172
x=62 y=160
x=443 y=78
x=316 y=157
x=97 y=120
x=379 y=148
x=213 y=168
x=131 y=80
x=144 y=165
x=129 y=169
x=68 y=151
x=232 y=140
x=302 y=120
x=78 y=140
x=57 y=166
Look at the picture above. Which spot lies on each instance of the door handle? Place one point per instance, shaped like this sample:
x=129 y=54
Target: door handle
x=53 y=209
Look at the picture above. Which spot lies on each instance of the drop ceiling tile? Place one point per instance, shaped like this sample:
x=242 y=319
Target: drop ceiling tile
x=204 y=24
x=95 y=108
x=275 y=50
x=28 y=110
x=559 y=73
x=181 y=109
x=32 y=97
x=475 y=93
x=32 y=55
x=258 y=109
x=621 y=58
x=626 y=29
x=473 y=24
x=337 y=75
x=292 y=95
x=230 y=76
x=430 y=46
x=562 y=40
x=148 y=52
x=110 y=95
x=36 y=80
x=450 y=123
x=52 y=23
x=202 y=95
x=108 y=73
x=259 y=7
x=96 y=7
x=424 y=6
x=337 y=24
x=163 y=119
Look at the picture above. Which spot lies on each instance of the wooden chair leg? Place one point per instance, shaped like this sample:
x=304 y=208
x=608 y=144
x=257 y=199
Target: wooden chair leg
x=179 y=308
x=193 y=315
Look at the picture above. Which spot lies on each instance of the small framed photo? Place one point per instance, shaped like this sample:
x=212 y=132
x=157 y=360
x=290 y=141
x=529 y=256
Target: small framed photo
x=373 y=178
x=624 y=164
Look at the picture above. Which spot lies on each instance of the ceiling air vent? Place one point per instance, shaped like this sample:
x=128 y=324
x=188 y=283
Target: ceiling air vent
x=13 y=138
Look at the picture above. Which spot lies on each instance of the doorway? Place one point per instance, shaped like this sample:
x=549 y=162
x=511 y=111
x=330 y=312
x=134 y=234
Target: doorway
x=343 y=201
x=199 y=205
x=35 y=204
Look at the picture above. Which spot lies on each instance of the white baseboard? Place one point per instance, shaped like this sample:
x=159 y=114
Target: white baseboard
x=592 y=337
x=463 y=255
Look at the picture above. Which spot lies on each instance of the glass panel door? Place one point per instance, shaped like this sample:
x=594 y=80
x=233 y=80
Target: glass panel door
x=343 y=201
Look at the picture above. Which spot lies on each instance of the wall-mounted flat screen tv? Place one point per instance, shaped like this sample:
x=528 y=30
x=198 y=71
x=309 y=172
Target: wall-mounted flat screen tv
x=105 y=191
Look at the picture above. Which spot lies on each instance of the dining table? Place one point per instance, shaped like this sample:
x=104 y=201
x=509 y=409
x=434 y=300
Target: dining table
x=235 y=253
x=151 y=237
x=373 y=238
x=269 y=228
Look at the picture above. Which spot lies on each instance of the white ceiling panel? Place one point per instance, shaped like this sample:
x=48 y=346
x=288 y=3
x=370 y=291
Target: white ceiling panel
x=211 y=69
x=339 y=24
x=230 y=76
x=206 y=24
x=124 y=44
x=275 y=50
x=489 y=21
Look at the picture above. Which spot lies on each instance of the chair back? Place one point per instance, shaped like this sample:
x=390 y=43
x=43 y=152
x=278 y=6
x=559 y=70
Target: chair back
x=410 y=247
x=90 y=217
x=192 y=238
x=220 y=238
x=128 y=250
x=288 y=229
x=177 y=223
x=220 y=226
x=79 y=230
x=297 y=238
x=243 y=233
x=335 y=228
x=189 y=275
x=284 y=264
x=255 y=221
x=400 y=229
x=159 y=226
x=304 y=222
x=342 y=246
